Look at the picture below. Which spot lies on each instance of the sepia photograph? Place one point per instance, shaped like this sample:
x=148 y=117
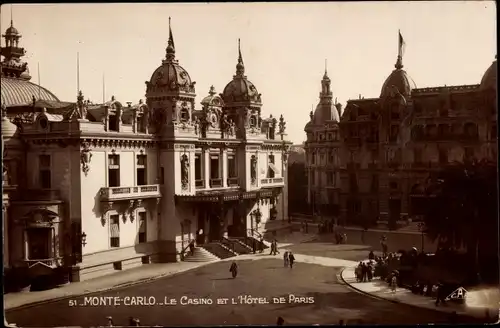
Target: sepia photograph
x=262 y=164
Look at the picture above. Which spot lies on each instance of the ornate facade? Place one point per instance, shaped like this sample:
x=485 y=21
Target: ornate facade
x=323 y=151
x=111 y=186
x=391 y=143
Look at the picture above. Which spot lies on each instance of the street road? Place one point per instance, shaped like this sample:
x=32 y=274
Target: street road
x=267 y=279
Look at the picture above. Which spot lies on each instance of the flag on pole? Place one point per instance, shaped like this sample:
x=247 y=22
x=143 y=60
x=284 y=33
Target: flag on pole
x=402 y=45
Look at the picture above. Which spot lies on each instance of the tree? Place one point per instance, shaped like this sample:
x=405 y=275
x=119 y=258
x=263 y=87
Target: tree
x=462 y=208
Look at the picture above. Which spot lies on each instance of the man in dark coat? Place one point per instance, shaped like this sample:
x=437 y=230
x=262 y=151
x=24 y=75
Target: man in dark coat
x=291 y=259
x=234 y=269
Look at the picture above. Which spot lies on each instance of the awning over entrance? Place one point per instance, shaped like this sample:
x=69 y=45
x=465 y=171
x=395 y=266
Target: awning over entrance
x=218 y=196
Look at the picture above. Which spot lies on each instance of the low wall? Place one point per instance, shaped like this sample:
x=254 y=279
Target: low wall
x=395 y=240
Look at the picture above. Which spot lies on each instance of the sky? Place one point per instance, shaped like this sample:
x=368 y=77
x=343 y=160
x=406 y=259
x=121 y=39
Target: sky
x=284 y=47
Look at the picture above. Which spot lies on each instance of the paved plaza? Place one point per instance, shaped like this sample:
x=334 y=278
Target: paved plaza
x=314 y=278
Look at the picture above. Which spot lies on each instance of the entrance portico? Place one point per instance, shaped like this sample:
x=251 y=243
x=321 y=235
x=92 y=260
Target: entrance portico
x=223 y=214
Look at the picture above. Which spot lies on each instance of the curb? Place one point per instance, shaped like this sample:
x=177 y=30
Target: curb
x=105 y=289
x=114 y=287
x=341 y=276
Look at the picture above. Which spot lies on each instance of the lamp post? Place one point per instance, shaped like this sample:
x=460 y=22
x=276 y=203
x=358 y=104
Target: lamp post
x=83 y=239
x=421 y=227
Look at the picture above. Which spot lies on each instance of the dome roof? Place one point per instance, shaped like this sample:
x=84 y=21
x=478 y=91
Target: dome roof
x=325 y=112
x=212 y=99
x=240 y=89
x=18 y=92
x=171 y=76
x=8 y=128
x=399 y=79
x=11 y=31
x=489 y=80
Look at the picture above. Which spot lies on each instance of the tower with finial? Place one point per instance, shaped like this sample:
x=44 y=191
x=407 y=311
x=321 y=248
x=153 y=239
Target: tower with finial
x=170 y=93
x=12 y=65
x=242 y=101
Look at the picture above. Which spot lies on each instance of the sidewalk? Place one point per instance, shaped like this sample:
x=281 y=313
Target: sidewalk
x=120 y=279
x=478 y=301
x=124 y=278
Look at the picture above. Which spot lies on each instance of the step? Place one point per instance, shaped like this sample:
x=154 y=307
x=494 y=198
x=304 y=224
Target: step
x=201 y=255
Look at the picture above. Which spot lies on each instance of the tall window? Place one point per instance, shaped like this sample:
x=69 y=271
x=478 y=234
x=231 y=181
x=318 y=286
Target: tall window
x=271 y=168
x=468 y=153
x=313 y=158
x=198 y=175
x=330 y=178
x=113 y=122
x=214 y=167
x=142 y=235
x=493 y=134
x=114 y=225
x=231 y=166
x=141 y=124
x=162 y=175
x=353 y=182
x=443 y=156
x=45 y=172
x=113 y=170
x=374 y=185
x=39 y=241
x=417 y=155
x=142 y=177
x=393 y=137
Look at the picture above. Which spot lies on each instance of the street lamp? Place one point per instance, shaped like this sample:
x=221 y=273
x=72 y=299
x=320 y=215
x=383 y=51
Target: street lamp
x=83 y=239
x=421 y=227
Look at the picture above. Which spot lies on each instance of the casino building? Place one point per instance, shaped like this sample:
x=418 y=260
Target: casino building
x=388 y=145
x=94 y=188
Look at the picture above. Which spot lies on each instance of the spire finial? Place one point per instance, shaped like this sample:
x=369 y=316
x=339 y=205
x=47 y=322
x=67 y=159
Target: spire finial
x=212 y=92
x=401 y=49
x=326 y=66
x=11 y=17
x=240 y=67
x=171 y=44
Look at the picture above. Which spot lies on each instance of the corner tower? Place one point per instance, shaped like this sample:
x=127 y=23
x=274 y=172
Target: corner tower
x=242 y=102
x=170 y=94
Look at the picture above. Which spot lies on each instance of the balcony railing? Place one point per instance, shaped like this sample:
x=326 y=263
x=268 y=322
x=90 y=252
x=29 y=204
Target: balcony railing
x=232 y=182
x=271 y=181
x=216 y=183
x=117 y=193
x=199 y=184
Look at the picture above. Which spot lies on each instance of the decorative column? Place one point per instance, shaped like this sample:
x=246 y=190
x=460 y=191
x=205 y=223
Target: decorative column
x=25 y=244
x=224 y=168
x=5 y=236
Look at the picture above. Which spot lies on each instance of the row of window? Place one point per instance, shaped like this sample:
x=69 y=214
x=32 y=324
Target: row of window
x=45 y=171
x=330 y=136
x=114 y=226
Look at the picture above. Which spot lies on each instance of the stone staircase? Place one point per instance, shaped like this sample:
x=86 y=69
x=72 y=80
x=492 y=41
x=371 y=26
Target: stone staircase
x=201 y=255
x=239 y=246
x=219 y=250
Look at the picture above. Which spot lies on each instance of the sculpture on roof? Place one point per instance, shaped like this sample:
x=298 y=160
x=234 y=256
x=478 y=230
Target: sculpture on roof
x=282 y=125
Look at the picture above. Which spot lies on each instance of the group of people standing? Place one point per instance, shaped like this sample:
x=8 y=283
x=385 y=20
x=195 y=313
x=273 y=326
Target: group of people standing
x=288 y=259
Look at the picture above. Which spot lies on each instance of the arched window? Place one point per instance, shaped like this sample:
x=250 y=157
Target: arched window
x=470 y=130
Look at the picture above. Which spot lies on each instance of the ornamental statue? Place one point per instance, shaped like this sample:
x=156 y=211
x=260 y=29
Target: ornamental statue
x=311 y=115
x=85 y=158
x=282 y=125
x=184 y=171
x=253 y=169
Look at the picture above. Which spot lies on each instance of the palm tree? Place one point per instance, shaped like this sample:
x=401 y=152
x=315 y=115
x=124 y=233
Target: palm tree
x=462 y=207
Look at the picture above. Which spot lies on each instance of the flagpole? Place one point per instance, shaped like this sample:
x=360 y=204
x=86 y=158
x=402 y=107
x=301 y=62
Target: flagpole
x=39 y=84
x=77 y=73
x=103 y=88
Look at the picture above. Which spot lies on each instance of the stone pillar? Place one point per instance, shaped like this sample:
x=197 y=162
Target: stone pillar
x=206 y=167
x=224 y=168
x=5 y=236
x=25 y=245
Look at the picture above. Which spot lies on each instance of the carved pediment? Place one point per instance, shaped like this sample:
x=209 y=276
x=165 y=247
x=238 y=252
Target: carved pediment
x=41 y=217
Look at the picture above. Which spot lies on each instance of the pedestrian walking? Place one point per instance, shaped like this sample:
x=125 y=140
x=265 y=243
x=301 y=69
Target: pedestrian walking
x=134 y=322
x=285 y=259
x=234 y=269
x=394 y=282
x=261 y=244
x=272 y=248
x=276 y=251
x=383 y=243
x=307 y=228
x=254 y=245
x=191 y=247
x=291 y=259
x=280 y=321
x=110 y=321
x=440 y=297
